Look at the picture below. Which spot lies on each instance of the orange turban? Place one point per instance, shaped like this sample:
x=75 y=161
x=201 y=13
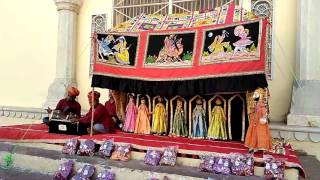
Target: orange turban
x=96 y=95
x=72 y=91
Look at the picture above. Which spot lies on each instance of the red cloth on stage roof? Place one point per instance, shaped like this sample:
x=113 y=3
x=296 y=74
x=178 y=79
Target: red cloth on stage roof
x=74 y=105
x=111 y=108
x=100 y=116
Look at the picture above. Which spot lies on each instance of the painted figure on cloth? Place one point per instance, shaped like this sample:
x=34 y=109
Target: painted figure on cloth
x=179 y=127
x=258 y=135
x=240 y=45
x=217 y=122
x=217 y=46
x=104 y=49
x=171 y=50
x=143 y=120
x=122 y=53
x=199 y=125
x=159 y=118
x=131 y=115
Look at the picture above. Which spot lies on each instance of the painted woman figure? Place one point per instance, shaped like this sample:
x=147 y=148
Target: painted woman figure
x=217 y=122
x=244 y=41
x=159 y=118
x=122 y=53
x=142 y=122
x=199 y=125
x=131 y=115
x=179 y=127
x=258 y=136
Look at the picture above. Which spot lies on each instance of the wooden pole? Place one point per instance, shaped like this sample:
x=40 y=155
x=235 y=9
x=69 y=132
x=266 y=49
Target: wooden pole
x=92 y=110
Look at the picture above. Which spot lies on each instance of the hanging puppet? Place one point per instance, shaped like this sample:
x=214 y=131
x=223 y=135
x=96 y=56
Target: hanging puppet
x=131 y=115
x=199 y=125
x=258 y=135
x=217 y=122
x=179 y=127
x=159 y=118
x=143 y=120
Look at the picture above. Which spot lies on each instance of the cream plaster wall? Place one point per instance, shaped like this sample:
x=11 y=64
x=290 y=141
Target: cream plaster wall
x=284 y=48
x=88 y=8
x=28 y=43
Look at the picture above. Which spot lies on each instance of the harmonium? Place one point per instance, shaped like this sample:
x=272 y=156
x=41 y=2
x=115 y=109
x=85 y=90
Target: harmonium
x=60 y=123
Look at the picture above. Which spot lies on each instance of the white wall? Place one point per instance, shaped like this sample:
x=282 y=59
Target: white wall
x=28 y=43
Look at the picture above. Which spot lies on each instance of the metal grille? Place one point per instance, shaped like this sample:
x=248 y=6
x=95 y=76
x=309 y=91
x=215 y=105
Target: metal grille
x=124 y=10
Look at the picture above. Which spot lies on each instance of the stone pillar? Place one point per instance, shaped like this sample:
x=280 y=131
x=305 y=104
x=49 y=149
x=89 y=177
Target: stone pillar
x=305 y=106
x=66 y=52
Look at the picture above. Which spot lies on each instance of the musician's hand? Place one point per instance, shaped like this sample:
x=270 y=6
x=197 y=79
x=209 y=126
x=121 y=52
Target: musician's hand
x=49 y=110
x=74 y=120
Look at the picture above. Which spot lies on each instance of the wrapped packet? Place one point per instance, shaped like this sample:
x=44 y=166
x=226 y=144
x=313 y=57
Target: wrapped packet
x=122 y=153
x=106 y=148
x=274 y=169
x=152 y=157
x=207 y=164
x=222 y=165
x=238 y=164
x=106 y=174
x=71 y=146
x=84 y=173
x=169 y=156
x=87 y=148
x=249 y=165
x=64 y=171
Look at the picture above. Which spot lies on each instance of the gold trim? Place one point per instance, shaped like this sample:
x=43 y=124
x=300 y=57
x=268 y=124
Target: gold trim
x=169 y=33
x=190 y=111
x=178 y=79
x=132 y=34
x=205 y=30
x=243 y=116
x=171 y=110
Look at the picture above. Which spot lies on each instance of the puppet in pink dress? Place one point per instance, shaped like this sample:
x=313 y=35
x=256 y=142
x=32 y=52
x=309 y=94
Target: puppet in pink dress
x=240 y=45
x=131 y=115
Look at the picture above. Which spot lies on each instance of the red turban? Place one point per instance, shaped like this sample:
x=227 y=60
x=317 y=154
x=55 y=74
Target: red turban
x=72 y=91
x=96 y=95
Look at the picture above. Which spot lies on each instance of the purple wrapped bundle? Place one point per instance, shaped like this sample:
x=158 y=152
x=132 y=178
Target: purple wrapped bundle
x=64 y=170
x=152 y=157
x=122 y=153
x=106 y=174
x=106 y=148
x=71 y=147
x=207 y=164
x=249 y=165
x=238 y=164
x=169 y=156
x=87 y=148
x=222 y=166
x=85 y=172
x=274 y=169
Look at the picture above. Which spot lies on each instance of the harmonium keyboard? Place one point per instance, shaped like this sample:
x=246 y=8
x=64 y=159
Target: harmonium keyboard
x=60 y=123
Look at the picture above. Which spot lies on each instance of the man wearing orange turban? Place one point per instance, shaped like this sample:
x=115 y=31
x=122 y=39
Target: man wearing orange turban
x=68 y=104
x=102 y=121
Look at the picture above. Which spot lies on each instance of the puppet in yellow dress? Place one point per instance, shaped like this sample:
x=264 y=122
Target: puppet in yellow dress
x=217 y=122
x=159 y=120
x=122 y=53
x=142 y=125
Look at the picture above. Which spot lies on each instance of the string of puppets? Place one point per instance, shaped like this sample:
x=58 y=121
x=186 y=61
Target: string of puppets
x=139 y=118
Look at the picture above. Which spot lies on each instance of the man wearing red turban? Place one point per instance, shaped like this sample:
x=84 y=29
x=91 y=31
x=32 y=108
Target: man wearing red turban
x=102 y=121
x=68 y=104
